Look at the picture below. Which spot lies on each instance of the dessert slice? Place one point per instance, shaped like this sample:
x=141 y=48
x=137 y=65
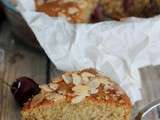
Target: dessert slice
x=82 y=95
x=76 y=11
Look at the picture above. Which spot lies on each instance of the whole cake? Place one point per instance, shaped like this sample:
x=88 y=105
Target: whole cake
x=85 y=11
x=82 y=95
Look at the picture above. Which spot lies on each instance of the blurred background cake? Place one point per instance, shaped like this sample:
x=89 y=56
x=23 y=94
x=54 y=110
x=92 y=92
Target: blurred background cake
x=78 y=11
x=114 y=9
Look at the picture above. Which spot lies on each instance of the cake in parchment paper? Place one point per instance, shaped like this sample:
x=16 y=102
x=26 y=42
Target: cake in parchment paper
x=82 y=95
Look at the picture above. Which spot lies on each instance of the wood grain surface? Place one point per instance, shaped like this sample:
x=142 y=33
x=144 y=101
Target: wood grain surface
x=20 y=61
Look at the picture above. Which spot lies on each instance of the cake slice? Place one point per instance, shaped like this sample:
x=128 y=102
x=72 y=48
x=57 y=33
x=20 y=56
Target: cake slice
x=76 y=11
x=82 y=95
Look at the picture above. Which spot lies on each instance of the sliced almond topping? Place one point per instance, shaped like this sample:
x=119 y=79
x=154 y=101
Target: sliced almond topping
x=93 y=91
x=87 y=74
x=53 y=86
x=85 y=80
x=46 y=88
x=94 y=84
x=81 y=90
x=59 y=97
x=54 y=97
x=37 y=99
x=76 y=79
x=67 y=78
x=72 y=10
x=50 y=96
x=77 y=99
x=105 y=82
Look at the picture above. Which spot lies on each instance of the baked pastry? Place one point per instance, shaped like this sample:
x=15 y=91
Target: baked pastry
x=84 y=11
x=76 y=11
x=118 y=9
x=82 y=95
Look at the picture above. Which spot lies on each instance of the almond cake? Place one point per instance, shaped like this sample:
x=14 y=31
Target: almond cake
x=79 y=95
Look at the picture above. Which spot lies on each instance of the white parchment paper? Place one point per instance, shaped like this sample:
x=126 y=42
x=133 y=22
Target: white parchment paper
x=118 y=49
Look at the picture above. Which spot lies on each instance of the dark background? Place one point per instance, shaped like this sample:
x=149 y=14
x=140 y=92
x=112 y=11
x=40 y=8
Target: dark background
x=2 y=15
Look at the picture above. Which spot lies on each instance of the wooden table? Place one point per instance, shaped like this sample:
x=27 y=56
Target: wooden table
x=21 y=61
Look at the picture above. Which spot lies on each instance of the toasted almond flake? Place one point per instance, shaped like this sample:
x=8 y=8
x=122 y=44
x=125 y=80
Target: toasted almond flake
x=72 y=10
x=77 y=99
x=59 y=97
x=37 y=99
x=94 y=84
x=53 y=86
x=93 y=91
x=76 y=79
x=81 y=90
x=46 y=88
x=87 y=74
x=85 y=80
x=50 y=96
x=54 y=97
x=105 y=82
x=67 y=78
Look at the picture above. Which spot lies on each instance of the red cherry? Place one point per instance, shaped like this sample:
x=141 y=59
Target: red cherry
x=23 y=89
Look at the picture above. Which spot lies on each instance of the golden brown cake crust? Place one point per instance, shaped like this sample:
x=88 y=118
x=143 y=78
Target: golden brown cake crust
x=76 y=11
x=75 y=87
x=82 y=11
